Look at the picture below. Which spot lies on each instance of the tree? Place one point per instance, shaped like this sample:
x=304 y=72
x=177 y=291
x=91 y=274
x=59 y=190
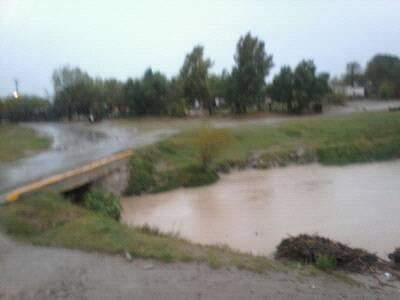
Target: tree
x=155 y=92
x=74 y=92
x=176 y=104
x=133 y=96
x=218 y=84
x=308 y=87
x=282 y=87
x=383 y=73
x=252 y=65
x=354 y=74
x=322 y=87
x=194 y=75
x=147 y=95
x=304 y=84
x=25 y=108
x=114 y=96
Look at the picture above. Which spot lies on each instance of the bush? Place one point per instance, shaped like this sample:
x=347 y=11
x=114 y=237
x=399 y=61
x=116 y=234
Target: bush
x=325 y=262
x=210 y=142
x=335 y=98
x=325 y=253
x=386 y=90
x=177 y=108
x=141 y=175
x=197 y=176
x=103 y=202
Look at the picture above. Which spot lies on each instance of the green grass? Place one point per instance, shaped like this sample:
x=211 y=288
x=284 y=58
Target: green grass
x=18 y=141
x=332 y=141
x=50 y=220
x=325 y=262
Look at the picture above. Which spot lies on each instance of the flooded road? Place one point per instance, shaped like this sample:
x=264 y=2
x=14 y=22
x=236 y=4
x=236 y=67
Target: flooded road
x=75 y=144
x=78 y=143
x=253 y=210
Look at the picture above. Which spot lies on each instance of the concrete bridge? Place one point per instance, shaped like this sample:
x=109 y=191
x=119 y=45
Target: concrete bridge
x=110 y=171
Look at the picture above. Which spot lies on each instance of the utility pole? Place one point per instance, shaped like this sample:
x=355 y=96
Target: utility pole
x=16 y=92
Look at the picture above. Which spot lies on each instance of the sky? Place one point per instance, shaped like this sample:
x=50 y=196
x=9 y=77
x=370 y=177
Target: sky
x=121 y=38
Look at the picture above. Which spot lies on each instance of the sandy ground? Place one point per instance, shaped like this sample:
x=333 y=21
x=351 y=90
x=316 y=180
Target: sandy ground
x=28 y=272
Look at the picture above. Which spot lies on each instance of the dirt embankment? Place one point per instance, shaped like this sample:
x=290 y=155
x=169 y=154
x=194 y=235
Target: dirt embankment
x=28 y=272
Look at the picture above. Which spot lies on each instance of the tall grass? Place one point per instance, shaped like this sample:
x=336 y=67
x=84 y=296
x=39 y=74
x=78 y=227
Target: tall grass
x=18 y=141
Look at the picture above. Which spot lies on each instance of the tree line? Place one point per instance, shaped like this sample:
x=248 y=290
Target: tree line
x=243 y=88
x=381 y=76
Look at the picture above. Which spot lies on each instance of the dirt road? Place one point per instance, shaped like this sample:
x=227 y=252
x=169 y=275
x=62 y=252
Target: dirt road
x=28 y=272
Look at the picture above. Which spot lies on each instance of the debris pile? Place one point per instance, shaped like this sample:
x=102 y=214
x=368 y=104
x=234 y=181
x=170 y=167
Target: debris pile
x=306 y=248
x=395 y=257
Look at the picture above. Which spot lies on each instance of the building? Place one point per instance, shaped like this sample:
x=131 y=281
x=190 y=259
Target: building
x=350 y=91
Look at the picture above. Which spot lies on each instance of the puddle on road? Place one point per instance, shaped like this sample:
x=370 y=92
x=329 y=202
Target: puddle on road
x=253 y=210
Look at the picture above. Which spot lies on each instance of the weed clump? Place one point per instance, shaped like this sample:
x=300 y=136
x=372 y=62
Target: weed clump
x=325 y=262
x=325 y=253
x=210 y=142
x=141 y=177
x=103 y=202
x=197 y=176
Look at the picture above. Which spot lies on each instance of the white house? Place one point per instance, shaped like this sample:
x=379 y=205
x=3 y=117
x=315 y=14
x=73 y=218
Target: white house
x=354 y=91
x=350 y=91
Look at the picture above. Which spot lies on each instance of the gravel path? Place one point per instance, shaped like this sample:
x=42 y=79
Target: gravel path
x=28 y=272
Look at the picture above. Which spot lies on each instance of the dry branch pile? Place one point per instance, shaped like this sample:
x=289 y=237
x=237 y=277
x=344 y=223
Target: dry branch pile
x=306 y=248
x=395 y=257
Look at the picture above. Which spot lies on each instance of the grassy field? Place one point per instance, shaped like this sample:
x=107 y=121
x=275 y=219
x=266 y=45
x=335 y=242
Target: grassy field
x=18 y=141
x=336 y=140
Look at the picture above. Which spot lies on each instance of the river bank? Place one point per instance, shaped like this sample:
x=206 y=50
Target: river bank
x=31 y=272
x=354 y=138
x=146 y=263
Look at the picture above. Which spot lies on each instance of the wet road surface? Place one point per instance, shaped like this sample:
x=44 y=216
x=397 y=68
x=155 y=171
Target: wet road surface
x=75 y=144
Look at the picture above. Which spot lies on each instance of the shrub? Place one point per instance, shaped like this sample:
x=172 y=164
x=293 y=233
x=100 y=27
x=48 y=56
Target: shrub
x=335 y=98
x=325 y=262
x=210 y=142
x=141 y=175
x=386 y=90
x=197 y=176
x=103 y=202
x=177 y=108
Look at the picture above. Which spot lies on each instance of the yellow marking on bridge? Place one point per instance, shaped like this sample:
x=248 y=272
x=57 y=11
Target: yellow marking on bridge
x=37 y=185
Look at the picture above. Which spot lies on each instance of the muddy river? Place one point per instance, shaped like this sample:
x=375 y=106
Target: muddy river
x=253 y=210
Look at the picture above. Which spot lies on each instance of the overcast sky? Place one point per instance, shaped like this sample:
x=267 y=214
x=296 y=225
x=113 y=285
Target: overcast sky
x=117 y=38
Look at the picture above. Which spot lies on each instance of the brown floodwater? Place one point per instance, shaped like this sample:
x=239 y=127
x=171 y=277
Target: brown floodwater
x=253 y=210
